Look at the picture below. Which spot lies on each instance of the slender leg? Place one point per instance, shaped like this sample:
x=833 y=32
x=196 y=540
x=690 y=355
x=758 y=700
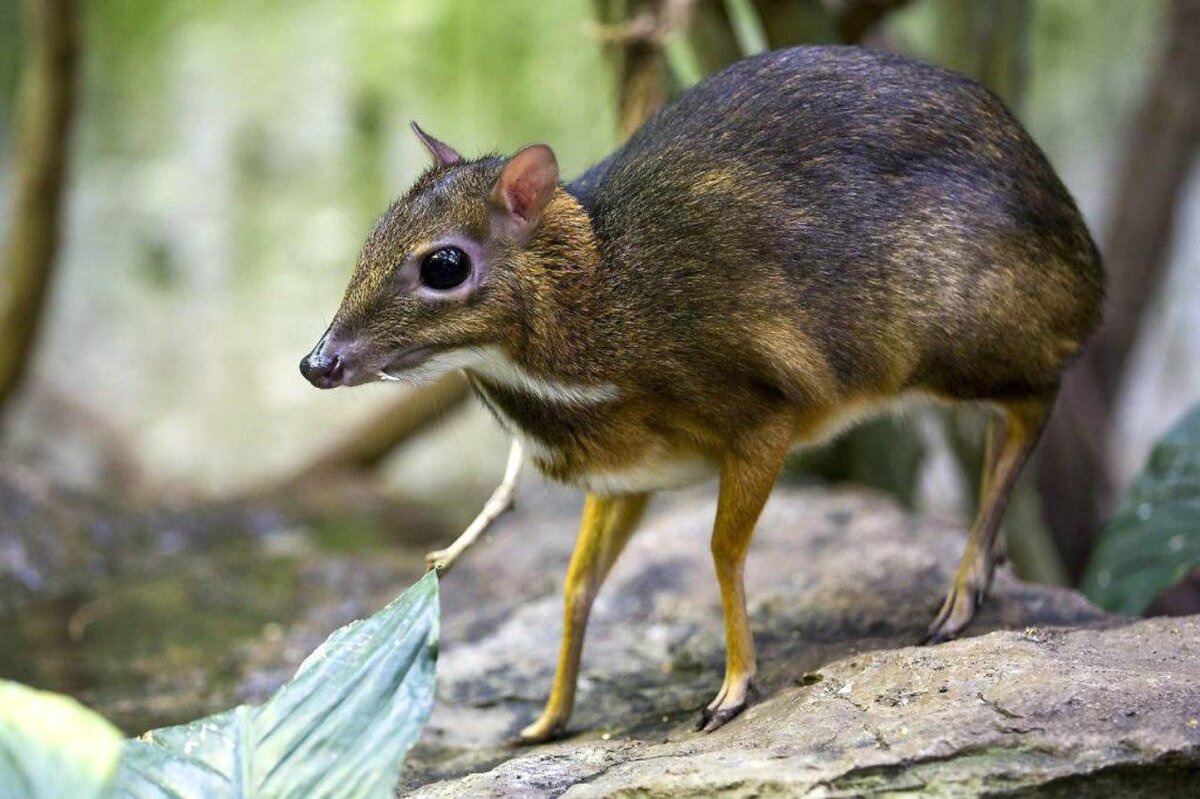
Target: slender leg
x=499 y=503
x=993 y=443
x=747 y=478
x=993 y=440
x=606 y=526
x=973 y=577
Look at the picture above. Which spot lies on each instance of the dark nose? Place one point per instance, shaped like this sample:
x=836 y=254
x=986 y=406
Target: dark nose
x=323 y=370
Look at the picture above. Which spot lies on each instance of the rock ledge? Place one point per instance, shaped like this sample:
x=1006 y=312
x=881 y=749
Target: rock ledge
x=1049 y=697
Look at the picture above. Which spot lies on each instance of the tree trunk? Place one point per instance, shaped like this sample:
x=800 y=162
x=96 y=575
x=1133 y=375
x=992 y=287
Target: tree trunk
x=1076 y=477
x=39 y=157
x=636 y=32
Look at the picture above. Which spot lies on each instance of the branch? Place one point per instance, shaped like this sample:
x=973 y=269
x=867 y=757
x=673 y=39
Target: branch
x=638 y=41
x=44 y=111
x=370 y=444
x=500 y=502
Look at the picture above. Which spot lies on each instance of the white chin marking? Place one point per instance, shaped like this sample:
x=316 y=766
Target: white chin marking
x=491 y=363
x=439 y=364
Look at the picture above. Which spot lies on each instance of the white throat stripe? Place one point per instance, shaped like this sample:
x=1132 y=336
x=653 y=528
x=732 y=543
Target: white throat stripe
x=492 y=364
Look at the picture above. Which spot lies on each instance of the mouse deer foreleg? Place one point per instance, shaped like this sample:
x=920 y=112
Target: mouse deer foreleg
x=607 y=524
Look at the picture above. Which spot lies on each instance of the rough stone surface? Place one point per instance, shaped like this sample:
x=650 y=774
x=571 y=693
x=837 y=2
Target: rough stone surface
x=1047 y=696
x=158 y=615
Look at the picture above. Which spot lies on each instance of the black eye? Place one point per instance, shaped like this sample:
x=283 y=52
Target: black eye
x=445 y=268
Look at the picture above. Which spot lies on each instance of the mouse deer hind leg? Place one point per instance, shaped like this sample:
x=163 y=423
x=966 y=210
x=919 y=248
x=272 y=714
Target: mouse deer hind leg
x=747 y=477
x=1010 y=440
x=606 y=526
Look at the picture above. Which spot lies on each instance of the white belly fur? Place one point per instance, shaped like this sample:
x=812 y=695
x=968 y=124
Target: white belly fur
x=651 y=474
x=664 y=473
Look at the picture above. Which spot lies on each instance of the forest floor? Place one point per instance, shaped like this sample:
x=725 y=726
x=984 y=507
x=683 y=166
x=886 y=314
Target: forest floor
x=160 y=615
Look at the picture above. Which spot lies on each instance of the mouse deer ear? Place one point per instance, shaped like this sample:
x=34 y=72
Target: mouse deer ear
x=441 y=153
x=526 y=184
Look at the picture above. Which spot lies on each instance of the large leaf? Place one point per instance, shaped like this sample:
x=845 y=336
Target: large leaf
x=340 y=728
x=1152 y=539
x=53 y=747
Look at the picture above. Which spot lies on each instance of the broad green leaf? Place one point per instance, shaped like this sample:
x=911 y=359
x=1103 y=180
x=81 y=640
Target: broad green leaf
x=340 y=728
x=1152 y=539
x=53 y=747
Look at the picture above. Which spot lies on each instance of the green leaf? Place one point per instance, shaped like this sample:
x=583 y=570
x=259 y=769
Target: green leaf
x=341 y=727
x=1152 y=539
x=53 y=747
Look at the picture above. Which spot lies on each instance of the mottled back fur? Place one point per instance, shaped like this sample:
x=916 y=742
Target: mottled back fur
x=897 y=210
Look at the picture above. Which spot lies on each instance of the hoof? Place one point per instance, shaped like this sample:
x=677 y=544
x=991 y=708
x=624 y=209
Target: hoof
x=956 y=613
x=436 y=561
x=720 y=711
x=711 y=721
x=539 y=732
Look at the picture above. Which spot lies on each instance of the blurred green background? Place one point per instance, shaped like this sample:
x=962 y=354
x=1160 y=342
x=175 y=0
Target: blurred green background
x=228 y=160
x=230 y=157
